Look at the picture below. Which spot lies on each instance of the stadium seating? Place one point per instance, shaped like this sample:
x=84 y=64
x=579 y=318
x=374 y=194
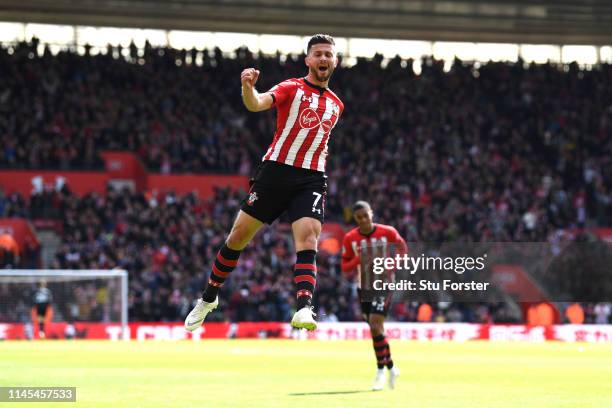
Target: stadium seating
x=502 y=151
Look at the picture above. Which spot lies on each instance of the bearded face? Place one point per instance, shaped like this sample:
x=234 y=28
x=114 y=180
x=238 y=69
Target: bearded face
x=321 y=61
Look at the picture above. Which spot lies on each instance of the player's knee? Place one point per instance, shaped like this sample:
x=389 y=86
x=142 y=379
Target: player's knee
x=376 y=330
x=376 y=325
x=309 y=241
x=308 y=235
x=239 y=237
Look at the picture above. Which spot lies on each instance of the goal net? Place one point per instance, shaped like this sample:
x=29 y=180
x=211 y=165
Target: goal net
x=52 y=302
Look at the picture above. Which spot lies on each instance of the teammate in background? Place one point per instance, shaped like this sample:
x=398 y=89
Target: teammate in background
x=290 y=178
x=42 y=311
x=368 y=234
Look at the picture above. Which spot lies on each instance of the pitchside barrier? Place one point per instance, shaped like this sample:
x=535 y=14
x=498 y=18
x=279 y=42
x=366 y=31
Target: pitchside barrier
x=439 y=332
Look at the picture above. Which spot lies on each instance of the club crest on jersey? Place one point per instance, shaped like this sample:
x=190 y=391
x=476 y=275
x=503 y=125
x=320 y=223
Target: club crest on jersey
x=336 y=109
x=252 y=198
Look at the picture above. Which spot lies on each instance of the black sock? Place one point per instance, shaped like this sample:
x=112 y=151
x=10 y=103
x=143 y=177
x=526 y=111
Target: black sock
x=224 y=264
x=382 y=352
x=305 y=277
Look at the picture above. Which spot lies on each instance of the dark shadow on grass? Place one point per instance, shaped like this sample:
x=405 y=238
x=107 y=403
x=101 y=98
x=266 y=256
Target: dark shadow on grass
x=300 y=394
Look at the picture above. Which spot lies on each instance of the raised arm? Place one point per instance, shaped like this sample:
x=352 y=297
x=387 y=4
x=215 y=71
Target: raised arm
x=253 y=100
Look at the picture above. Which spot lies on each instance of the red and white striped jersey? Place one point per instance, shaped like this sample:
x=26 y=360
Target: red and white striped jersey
x=378 y=242
x=306 y=115
x=355 y=241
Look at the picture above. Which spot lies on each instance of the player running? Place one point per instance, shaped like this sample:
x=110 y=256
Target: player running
x=291 y=177
x=371 y=235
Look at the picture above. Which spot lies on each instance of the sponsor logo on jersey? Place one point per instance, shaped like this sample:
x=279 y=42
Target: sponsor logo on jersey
x=310 y=119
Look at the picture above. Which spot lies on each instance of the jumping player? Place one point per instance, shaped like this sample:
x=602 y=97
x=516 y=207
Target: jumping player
x=291 y=177
x=368 y=234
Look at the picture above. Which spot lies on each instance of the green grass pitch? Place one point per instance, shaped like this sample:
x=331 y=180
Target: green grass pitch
x=292 y=374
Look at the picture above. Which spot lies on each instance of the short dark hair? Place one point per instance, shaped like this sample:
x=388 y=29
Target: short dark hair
x=320 y=39
x=361 y=205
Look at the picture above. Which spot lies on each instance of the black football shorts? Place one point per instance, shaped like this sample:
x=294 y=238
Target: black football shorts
x=379 y=305
x=41 y=309
x=278 y=188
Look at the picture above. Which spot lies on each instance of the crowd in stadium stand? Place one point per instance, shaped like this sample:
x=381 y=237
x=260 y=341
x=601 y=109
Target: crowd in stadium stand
x=498 y=152
x=168 y=242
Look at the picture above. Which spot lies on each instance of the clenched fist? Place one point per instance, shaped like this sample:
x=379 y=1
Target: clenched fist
x=248 y=77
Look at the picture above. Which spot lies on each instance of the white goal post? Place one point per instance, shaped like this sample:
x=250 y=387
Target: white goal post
x=76 y=295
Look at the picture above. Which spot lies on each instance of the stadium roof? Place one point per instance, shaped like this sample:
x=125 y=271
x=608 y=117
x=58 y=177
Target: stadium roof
x=523 y=21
